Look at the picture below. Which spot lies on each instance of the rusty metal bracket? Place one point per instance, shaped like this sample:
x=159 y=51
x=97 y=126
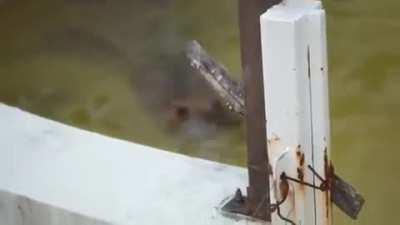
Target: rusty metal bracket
x=237 y=204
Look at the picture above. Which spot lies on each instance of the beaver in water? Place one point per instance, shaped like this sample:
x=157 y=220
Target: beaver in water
x=161 y=78
x=181 y=98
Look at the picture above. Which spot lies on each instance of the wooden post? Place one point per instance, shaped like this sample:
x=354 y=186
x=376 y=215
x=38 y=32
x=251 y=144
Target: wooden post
x=296 y=93
x=257 y=157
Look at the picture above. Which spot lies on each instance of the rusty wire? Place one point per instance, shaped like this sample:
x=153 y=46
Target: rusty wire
x=322 y=187
x=277 y=205
x=284 y=178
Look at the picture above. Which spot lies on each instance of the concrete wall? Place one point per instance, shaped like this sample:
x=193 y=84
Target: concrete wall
x=19 y=210
x=94 y=176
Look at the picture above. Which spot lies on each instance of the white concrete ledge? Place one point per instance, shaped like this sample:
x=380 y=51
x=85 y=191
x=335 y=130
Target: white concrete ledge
x=19 y=210
x=106 y=179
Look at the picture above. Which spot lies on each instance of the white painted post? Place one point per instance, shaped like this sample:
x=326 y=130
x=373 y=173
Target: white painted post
x=296 y=95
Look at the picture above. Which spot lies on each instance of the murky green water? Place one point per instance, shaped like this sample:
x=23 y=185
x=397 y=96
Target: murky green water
x=115 y=67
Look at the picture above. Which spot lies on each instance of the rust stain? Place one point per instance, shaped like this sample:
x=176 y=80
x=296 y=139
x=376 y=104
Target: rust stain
x=273 y=140
x=300 y=174
x=301 y=188
x=292 y=201
x=329 y=175
x=283 y=188
x=301 y=160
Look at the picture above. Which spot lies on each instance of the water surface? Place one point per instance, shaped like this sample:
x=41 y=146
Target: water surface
x=116 y=67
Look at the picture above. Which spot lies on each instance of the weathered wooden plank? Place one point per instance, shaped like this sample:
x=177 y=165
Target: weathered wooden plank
x=346 y=197
x=217 y=76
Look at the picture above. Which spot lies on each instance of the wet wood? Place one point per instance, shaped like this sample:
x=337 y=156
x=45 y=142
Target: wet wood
x=217 y=76
x=346 y=197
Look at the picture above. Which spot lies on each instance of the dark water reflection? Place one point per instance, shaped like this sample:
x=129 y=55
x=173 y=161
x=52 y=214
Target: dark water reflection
x=116 y=67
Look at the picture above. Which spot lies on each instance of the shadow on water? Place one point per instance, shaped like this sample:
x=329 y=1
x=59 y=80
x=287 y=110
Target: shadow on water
x=116 y=67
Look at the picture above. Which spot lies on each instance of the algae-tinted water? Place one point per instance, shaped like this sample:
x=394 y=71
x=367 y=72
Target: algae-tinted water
x=116 y=67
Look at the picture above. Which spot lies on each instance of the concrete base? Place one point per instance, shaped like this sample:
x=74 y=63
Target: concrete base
x=19 y=210
x=72 y=176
